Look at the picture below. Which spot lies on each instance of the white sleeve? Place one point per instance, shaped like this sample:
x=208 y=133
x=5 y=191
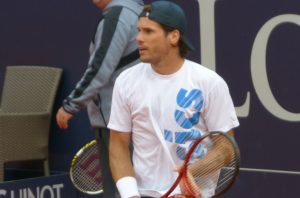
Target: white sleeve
x=120 y=117
x=220 y=113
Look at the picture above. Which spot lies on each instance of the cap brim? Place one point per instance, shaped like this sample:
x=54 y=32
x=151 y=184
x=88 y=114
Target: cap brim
x=188 y=43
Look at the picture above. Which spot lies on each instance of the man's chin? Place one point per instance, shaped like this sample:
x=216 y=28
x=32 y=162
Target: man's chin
x=144 y=59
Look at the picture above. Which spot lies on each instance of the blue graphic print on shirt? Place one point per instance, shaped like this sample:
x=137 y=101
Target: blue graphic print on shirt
x=187 y=116
x=192 y=101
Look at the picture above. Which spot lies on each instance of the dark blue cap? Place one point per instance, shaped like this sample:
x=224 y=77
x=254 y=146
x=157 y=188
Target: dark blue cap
x=169 y=14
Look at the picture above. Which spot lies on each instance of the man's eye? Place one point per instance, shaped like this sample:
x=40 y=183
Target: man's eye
x=148 y=31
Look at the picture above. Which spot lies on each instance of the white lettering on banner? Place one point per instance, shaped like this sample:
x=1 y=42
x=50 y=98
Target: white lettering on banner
x=207 y=33
x=46 y=191
x=208 y=47
x=58 y=187
x=2 y=192
x=259 y=70
x=258 y=58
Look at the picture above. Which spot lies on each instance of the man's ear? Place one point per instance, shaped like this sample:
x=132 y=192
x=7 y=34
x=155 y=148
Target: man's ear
x=174 y=37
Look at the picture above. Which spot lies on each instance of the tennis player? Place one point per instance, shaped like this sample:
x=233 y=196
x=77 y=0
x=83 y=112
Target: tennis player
x=162 y=105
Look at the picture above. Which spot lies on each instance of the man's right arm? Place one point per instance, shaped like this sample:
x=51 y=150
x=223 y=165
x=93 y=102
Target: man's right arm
x=120 y=164
x=119 y=155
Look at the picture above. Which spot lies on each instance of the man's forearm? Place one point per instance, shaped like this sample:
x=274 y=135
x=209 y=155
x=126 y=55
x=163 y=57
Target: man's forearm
x=218 y=156
x=120 y=163
x=121 y=166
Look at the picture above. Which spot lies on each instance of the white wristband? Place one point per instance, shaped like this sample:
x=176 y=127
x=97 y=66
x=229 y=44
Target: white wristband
x=127 y=187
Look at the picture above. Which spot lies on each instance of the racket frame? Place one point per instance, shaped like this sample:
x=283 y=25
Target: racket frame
x=183 y=170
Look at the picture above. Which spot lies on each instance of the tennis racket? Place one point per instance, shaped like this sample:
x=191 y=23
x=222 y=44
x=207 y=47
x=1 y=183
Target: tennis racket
x=85 y=171
x=214 y=157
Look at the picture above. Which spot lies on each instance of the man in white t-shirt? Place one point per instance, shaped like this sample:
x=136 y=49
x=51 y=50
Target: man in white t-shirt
x=161 y=104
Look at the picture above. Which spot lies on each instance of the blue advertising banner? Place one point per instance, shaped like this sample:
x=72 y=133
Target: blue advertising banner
x=54 y=186
x=58 y=186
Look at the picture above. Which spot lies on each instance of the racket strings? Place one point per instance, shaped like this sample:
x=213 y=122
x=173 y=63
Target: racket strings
x=86 y=171
x=228 y=174
x=216 y=169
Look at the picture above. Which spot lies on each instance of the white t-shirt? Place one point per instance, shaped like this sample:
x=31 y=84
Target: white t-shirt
x=164 y=114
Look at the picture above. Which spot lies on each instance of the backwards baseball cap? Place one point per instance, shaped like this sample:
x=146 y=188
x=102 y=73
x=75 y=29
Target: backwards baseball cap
x=169 y=14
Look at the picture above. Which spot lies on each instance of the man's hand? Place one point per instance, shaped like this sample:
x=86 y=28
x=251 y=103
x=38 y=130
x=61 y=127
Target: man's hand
x=62 y=118
x=192 y=185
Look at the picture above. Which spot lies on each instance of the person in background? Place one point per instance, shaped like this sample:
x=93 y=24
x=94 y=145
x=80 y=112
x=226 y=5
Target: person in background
x=163 y=99
x=112 y=49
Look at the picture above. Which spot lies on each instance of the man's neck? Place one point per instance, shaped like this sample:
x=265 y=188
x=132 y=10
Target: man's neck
x=168 y=65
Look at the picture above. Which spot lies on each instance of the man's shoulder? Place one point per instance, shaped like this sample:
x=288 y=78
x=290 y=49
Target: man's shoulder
x=138 y=68
x=113 y=12
x=134 y=71
x=132 y=75
x=198 y=67
x=202 y=71
x=130 y=8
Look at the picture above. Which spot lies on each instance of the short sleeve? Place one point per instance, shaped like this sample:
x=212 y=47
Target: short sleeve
x=219 y=113
x=120 y=116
